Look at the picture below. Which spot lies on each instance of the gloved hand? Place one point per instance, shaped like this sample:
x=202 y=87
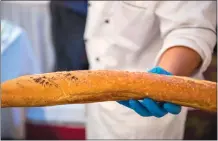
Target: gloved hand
x=148 y=107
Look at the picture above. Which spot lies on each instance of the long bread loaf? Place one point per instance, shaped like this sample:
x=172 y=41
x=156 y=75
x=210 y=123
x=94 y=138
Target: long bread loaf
x=97 y=86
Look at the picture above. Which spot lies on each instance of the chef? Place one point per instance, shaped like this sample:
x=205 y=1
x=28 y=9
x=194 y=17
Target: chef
x=164 y=37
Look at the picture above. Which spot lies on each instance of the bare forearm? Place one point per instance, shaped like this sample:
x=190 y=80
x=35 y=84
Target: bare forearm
x=180 y=61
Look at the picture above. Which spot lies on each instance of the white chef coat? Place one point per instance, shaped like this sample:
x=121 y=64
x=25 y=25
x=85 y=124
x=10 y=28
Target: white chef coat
x=131 y=35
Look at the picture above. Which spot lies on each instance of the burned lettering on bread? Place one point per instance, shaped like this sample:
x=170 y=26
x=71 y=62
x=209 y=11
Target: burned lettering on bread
x=42 y=81
x=56 y=85
x=51 y=83
x=37 y=80
x=74 y=78
x=20 y=85
x=53 y=78
x=68 y=74
x=46 y=83
x=70 y=77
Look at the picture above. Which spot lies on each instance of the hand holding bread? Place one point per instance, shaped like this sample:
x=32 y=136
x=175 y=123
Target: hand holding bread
x=148 y=107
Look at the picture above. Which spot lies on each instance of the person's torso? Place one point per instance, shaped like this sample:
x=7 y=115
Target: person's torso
x=120 y=36
x=125 y=35
x=110 y=120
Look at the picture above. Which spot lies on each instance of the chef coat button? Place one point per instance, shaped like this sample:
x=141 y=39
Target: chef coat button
x=97 y=59
x=106 y=21
x=85 y=40
x=89 y=4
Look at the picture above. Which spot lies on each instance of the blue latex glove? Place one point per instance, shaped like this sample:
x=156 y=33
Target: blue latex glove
x=148 y=107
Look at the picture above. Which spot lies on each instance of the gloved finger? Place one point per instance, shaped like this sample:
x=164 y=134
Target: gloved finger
x=139 y=108
x=172 y=108
x=160 y=104
x=159 y=70
x=153 y=107
x=124 y=103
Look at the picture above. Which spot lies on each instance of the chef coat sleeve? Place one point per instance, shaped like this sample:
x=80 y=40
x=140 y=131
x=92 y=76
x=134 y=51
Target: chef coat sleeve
x=188 y=23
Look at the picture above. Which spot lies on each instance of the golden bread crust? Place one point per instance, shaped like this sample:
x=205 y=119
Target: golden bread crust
x=106 y=85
